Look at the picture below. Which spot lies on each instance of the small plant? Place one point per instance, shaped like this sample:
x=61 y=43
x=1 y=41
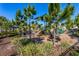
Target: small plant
x=64 y=45
x=25 y=41
x=29 y=48
x=36 y=49
x=74 y=53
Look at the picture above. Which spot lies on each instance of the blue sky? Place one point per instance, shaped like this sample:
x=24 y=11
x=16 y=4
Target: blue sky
x=9 y=9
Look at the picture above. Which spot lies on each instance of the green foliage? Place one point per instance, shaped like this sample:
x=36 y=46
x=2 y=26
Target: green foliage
x=69 y=23
x=68 y=11
x=29 y=48
x=53 y=8
x=34 y=49
x=76 y=33
x=8 y=34
x=74 y=53
x=54 y=14
x=76 y=21
x=29 y=11
x=64 y=45
x=25 y=41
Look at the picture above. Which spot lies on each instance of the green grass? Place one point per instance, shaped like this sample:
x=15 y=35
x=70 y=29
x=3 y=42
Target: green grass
x=27 y=47
x=36 y=49
x=74 y=53
x=65 y=45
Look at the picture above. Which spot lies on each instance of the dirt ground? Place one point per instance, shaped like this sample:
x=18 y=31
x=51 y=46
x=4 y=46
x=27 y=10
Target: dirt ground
x=6 y=48
x=69 y=39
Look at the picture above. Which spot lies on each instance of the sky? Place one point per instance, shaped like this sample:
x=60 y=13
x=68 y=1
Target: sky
x=9 y=9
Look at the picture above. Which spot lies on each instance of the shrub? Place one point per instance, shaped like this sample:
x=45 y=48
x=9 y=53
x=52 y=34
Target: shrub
x=8 y=34
x=74 y=53
x=77 y=33
x=29 y=48
x=25 y=41
x=65 y=45
x=36 y=49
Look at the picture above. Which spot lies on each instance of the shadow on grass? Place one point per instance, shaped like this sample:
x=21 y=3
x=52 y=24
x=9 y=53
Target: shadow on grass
x=26 y=41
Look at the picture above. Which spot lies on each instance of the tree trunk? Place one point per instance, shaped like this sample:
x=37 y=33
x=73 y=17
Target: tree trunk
x=29 y=30
x=54 y=36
